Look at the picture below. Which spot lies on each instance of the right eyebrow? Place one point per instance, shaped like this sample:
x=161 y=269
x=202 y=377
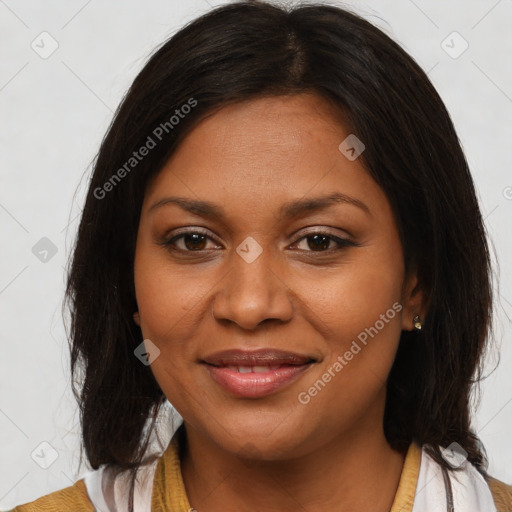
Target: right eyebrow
x=196 y=207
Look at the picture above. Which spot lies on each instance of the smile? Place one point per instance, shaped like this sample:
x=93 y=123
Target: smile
x=255 y=374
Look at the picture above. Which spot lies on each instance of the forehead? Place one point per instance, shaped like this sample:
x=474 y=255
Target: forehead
x=262 y=153
x=282 y=125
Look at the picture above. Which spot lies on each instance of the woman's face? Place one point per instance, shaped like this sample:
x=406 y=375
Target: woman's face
x=270 y=262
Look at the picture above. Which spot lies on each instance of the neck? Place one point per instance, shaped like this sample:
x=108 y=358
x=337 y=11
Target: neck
x=354 y=472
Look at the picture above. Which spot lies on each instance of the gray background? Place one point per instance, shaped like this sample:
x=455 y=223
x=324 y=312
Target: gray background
x=54 y=112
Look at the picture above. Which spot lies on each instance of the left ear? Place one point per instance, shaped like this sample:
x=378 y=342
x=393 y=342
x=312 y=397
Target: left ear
x=413 y=302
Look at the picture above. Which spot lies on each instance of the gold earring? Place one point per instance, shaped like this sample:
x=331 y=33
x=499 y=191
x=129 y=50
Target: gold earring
x=417 y=323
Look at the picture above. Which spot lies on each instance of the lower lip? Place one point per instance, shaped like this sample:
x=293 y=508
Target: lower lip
x=255 y=385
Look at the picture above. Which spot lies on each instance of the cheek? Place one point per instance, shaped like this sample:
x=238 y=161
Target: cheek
x=164 y=307
x=168 y=311
x=168 y=296
x=358 y=307
x=353 y=296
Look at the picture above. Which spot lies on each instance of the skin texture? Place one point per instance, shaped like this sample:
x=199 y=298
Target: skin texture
x=275 y=453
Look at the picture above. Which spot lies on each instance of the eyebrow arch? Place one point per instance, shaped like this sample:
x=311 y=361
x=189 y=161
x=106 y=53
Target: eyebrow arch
x=308 y=205
x=288 y=210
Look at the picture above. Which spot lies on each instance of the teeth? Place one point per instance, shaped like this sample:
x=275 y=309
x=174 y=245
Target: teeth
x=252 y=369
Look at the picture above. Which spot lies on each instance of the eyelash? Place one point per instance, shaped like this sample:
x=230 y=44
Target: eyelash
x=342 y=242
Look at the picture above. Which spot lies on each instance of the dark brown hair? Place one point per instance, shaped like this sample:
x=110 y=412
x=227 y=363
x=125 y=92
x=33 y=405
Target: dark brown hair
x=246 y=50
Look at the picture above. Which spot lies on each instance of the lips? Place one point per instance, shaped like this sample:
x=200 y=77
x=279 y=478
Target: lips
x=256 y=373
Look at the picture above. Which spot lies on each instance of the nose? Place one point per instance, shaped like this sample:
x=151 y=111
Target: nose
x=251 y=293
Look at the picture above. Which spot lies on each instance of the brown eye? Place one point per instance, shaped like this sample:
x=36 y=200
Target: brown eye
x=194 y=241
x=318 y=242
x=321 y=242
x=191 y=241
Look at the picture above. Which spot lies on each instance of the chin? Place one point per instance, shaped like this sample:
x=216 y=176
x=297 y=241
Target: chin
x=261 y=441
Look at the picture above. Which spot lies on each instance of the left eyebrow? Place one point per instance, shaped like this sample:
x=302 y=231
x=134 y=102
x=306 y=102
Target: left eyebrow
x=287 y=211
x=308 y=205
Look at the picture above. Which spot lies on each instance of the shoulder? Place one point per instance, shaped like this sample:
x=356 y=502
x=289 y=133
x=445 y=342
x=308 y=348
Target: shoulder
x=472 y=489
x=501 y=493
x=73 y=498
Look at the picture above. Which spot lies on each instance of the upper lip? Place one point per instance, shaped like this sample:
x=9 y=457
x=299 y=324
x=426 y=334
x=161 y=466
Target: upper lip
x=259 y=357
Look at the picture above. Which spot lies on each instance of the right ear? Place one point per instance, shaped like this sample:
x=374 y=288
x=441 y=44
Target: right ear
x=136 y=318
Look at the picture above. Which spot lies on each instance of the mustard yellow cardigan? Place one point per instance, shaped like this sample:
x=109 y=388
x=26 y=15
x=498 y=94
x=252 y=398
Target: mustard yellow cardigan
x=169 y=491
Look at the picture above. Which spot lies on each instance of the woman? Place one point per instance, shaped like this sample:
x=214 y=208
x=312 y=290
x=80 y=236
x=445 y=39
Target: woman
x=281 y=238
